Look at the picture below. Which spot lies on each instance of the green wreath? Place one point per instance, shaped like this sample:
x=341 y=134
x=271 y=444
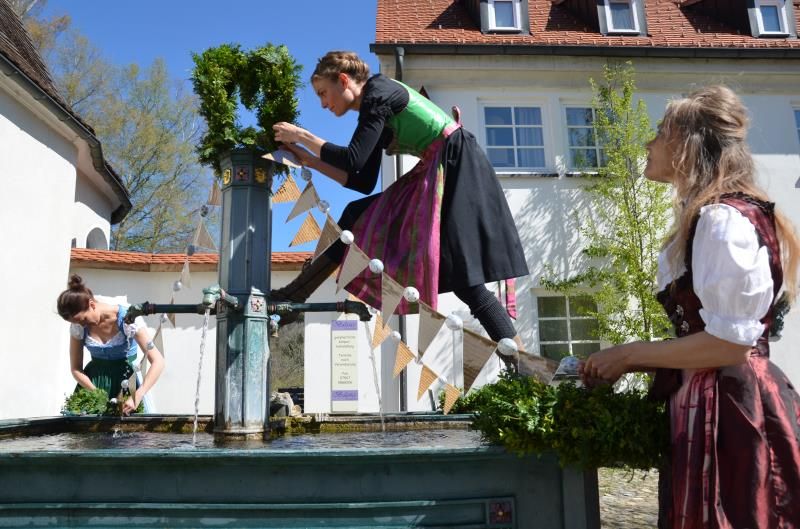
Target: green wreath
x=266 y=80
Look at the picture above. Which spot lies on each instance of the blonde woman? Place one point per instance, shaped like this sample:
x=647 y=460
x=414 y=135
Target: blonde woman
x=734 y=415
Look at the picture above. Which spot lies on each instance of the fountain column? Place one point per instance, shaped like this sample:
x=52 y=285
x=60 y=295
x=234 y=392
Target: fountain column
x=241 y=408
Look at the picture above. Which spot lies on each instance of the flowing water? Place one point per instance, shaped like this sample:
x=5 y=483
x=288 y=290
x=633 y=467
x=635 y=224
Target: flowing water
x=375 y=377
x=199 y=372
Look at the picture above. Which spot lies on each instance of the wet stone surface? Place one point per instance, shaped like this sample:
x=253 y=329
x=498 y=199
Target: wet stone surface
x=628 y=500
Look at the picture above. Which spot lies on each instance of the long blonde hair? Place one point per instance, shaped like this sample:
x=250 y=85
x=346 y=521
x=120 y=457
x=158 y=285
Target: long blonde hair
x=707 y=131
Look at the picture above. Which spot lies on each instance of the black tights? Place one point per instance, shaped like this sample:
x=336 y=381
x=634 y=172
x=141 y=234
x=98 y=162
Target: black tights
x=487 y=309
x=481 y=302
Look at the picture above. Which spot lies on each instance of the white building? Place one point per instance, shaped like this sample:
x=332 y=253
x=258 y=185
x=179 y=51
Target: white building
x=58 y=192
x=498 y=59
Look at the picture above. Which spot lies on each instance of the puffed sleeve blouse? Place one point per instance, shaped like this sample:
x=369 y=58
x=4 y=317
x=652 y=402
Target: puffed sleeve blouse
x=730 y=273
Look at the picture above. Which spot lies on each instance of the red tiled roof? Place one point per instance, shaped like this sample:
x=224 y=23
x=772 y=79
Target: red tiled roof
x=448 y=22
x=165 y=262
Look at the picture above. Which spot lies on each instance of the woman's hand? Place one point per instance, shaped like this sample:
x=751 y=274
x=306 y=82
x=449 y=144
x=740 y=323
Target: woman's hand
x=304 y=157
x=288 y=133
x=606 y=365
x=131 y=403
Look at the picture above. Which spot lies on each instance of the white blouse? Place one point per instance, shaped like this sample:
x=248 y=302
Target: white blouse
x=730 y=272
x=76 y=331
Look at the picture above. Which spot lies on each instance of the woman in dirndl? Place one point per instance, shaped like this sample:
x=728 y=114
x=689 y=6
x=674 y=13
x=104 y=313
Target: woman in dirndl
x=444 y=226
x=734 y=415
x=113 y=344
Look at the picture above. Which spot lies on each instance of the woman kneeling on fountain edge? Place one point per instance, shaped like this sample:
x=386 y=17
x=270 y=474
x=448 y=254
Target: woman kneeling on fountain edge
x=443 y=226
x=111 y=342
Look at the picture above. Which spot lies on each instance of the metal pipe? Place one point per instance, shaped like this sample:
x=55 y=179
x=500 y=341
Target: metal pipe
x=399 y=56
x=347 y=306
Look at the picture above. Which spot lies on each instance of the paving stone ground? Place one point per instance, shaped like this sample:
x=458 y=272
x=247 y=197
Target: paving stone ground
x=628 y=500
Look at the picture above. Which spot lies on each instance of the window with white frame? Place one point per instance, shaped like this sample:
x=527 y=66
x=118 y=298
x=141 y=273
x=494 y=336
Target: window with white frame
x=567 y=326
x=505 y=15
x=514 y=137
x=621 y=16
x=582 y=139
x=771 y=16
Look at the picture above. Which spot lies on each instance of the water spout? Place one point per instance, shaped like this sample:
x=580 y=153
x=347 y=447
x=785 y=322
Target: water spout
x=199 y=372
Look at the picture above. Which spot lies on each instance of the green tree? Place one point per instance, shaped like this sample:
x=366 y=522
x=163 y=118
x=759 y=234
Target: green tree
x=627 y=222
x=147 y=123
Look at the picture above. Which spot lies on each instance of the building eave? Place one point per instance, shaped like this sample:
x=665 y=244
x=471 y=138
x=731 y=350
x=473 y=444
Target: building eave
x=8 y=68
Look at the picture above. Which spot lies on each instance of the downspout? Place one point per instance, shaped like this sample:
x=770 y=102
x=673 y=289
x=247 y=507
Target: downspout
x=399 y=55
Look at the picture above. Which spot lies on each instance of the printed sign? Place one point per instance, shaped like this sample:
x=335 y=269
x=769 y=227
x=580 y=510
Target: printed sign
x=344 y=366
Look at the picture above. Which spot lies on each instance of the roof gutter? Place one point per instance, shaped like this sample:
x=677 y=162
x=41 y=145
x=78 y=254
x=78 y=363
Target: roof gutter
x=587 y=51
x=68 y=118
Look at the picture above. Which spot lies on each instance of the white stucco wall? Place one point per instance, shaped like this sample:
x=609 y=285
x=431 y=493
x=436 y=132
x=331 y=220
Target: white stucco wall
x=91 y=210
x=35 y=242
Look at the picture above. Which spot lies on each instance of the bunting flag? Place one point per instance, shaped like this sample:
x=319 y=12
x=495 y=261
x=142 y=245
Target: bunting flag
x=355 y=263
x=391 y=294
x=381 y=332
x=451 y=394
x=426 y=378
x=288 y=192
x=402 y=358
x=307 y=200
x=202 y=238
x=171 y=316
x=186 y=277
x=430 y=322
x=215 y=195
x=330 y=234
x=477 y=350
x=308 y=232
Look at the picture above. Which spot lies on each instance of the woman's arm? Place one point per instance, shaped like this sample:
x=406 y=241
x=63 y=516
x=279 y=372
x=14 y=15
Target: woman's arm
x=309 y=160
x=76 y=363
x=696 y=351
x=156 y=360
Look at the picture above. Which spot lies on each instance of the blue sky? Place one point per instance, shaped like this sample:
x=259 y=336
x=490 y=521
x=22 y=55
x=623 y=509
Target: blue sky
x=141 y=31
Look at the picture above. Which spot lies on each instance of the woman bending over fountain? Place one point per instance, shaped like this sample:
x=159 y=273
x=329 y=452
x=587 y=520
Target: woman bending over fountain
x=443 y=226
x=734 y=415
x=111 y=342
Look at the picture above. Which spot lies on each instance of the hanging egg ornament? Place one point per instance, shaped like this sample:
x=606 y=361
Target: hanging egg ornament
x=411 y=294
x=347 y=237
x=507 y=347
x=376 y=266
x=177 y=285
x=324 y=206
x=454 y=323
x=305 y=174
x=395 y=337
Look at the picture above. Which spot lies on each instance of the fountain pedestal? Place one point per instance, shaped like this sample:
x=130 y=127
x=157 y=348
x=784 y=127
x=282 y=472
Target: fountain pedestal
x=241 y=407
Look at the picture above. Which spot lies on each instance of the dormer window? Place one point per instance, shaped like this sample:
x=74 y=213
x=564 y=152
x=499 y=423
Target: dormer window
x=505 y=15
x=771 y=18
x=621 y=16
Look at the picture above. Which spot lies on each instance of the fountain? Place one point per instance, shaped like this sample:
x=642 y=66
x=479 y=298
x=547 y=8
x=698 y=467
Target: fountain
x=242 y=469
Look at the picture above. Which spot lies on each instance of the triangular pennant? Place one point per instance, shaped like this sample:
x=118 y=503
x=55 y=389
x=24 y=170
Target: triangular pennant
x=186 y=277
x=309 y=231
x=426 y=378
x=430 y=322
x=451 y=394
x=215 y=195
x=158 y=340
x=391 y=294
x=477 y=350
x=402 y=357
x=355 y=263
x=381 y=332
x=202 y=238
x=288 y=192
x=307 y=200
x=330 y=234
x=171 y=315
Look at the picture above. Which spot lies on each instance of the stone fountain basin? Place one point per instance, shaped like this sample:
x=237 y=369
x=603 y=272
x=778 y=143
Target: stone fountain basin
x=425 y=471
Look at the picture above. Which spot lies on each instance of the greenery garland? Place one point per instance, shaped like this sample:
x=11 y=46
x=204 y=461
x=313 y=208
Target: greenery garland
x=590 y=428
x=92 y=402
x=266 y=80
